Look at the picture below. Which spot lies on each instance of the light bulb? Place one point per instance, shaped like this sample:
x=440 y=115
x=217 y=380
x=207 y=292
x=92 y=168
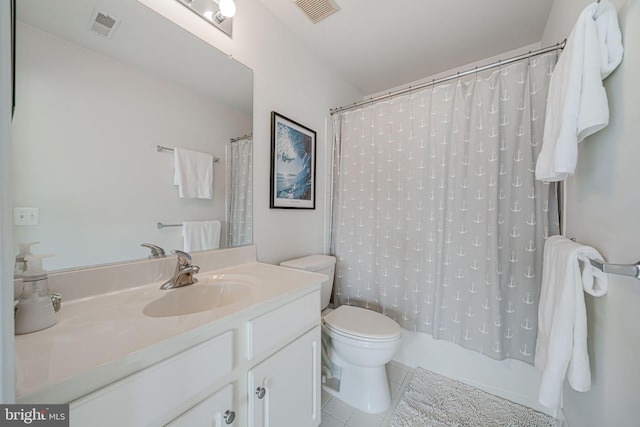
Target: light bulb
x=227 y=8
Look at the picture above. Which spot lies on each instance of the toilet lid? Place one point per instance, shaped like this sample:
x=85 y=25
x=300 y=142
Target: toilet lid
x=363 y=323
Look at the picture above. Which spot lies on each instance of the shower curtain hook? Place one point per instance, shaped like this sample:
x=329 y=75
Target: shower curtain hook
x=433 y=86
x=529 y=59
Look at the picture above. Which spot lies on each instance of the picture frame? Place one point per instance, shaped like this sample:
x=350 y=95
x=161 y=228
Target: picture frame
x=293 y=164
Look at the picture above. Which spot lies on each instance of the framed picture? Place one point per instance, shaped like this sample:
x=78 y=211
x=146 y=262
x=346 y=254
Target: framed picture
x=293 y=164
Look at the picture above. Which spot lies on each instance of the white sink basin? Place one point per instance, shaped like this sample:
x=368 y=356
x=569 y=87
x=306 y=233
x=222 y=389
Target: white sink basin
x=208 y=294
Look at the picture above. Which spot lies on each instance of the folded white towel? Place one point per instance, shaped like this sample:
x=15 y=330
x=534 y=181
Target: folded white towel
x=577 y=102
x=201 y=235
x=561 y=346
x=193 y=173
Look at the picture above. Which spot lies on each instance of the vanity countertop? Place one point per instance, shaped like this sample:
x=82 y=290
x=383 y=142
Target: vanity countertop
x=101 y=339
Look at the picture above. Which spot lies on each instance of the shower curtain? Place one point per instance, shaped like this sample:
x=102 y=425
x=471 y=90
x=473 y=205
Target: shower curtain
x=241 y=198
x=438 y=221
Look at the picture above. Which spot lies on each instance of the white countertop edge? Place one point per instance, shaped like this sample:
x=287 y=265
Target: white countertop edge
x=86 y=382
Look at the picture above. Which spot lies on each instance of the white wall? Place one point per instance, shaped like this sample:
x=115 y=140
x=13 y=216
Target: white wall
x=7 y=387
x=288 y=79
x=603 y=211
x=82 y=114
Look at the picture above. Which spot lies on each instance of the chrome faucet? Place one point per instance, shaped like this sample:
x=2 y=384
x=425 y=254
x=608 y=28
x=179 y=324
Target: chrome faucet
x=184 y=273
x=156 y=251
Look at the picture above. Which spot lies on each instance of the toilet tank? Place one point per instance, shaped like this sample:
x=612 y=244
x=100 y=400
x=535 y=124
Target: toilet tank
x=323 y=264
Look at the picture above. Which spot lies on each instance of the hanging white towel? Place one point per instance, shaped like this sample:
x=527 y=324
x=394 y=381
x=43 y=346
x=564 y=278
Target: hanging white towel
x=577 y=103
x=561 y=346
x=200 y=235
x=193 y=173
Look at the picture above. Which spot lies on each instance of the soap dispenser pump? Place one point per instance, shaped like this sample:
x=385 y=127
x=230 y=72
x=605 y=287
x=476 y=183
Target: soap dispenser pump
x=21 y=261
x=35 y=309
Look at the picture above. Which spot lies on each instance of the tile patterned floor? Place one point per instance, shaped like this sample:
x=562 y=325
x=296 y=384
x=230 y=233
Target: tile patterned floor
x=336 y=413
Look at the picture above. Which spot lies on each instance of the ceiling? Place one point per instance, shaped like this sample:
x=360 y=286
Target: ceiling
x=147 y=41
x=378 y=45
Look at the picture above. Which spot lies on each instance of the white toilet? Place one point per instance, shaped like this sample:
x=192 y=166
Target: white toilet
x=357 y=344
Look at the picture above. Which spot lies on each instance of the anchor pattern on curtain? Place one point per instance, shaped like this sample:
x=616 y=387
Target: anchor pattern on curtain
x=438 y=221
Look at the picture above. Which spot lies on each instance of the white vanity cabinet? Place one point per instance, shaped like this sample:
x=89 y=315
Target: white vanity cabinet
x=275 y=347
x=284 y=389
x=215 y=411
x=152 y=394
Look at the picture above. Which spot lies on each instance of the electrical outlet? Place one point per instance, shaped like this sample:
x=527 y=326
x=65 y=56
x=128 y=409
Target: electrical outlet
x=25 y=216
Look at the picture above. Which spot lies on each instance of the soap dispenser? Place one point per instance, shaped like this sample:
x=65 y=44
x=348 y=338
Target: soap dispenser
x=21 y=261
x=35 y=309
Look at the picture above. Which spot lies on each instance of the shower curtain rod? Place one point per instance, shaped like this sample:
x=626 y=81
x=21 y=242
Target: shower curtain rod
x=499 y=63
x=240 y=138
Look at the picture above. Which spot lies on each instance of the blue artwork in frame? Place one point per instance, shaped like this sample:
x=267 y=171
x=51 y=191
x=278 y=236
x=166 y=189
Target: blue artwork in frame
x=293 y=164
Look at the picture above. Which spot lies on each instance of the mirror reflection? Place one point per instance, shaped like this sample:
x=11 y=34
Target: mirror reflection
x=100 y=84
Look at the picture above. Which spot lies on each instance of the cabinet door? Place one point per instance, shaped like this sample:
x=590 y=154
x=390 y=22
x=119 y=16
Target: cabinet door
x=284 y=390
x=150 y=396
x=215 y=411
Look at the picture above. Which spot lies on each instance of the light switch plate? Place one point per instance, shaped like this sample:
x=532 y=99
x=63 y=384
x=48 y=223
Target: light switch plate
x=25 y=216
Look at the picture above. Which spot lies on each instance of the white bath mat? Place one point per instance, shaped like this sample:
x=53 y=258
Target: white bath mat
x=436 y=401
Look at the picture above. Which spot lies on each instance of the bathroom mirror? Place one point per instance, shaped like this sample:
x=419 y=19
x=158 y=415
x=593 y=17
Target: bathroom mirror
x=99 y=85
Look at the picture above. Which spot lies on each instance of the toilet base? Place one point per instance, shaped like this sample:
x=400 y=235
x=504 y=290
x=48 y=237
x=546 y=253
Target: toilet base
x=366 y=389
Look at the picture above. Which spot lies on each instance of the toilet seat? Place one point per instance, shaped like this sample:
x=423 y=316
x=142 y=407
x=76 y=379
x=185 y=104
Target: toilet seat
x=361 y=324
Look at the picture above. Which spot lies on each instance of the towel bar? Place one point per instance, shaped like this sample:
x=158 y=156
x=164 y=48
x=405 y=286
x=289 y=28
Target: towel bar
x=161 y=225
x=161 y=148
x=631 y=270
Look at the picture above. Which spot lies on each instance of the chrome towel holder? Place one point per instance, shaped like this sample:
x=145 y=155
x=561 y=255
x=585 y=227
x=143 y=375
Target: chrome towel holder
x=161 y=148
x=160 y=225
x=630 y=270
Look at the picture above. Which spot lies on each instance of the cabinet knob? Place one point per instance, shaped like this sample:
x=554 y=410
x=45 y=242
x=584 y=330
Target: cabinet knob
x=229 y=416
x=260 y=392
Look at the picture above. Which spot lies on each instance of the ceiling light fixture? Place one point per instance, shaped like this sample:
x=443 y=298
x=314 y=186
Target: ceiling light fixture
x=219 y=13
x=227 y=9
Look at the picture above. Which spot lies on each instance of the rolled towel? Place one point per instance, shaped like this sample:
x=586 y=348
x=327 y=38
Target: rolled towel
x=561 y=345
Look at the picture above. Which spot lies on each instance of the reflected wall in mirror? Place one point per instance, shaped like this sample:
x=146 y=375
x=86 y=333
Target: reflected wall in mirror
x=90 y=112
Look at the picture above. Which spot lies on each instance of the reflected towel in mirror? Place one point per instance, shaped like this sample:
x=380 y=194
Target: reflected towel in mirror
x=193 y=173
x=201 y=235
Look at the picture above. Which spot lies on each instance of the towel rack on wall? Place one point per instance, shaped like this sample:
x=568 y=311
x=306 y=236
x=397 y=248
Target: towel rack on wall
x=161 y=148
x=161 y=225
x=631 y=270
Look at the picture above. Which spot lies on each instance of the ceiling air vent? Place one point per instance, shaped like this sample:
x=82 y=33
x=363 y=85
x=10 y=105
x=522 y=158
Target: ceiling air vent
x=103 y=24
x=317 y=10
